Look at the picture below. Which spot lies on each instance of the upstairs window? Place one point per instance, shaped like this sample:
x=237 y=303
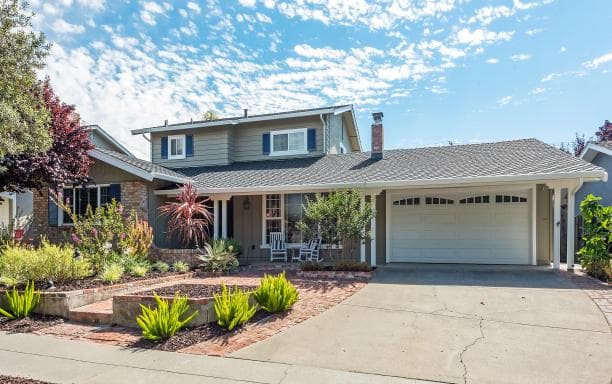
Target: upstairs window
x=288 y=142
x=176 y=147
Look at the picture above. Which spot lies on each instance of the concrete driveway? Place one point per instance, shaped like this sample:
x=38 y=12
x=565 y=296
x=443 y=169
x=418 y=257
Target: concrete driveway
x=456 y=324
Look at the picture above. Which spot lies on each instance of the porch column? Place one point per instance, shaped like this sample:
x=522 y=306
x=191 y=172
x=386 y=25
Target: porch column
x=224 y=218
x=373 y=231
x=557 y=228
x=216 y=220
x=571 y=198
x=363 y=244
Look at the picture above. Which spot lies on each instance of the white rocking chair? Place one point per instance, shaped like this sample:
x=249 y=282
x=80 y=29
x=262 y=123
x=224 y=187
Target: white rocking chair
x=278 y=249
x=311 y=251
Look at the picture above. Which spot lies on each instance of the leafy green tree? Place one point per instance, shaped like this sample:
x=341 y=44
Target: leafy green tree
x=338 y=217
x=210 y=115
x=595 y=253
x=23 y=118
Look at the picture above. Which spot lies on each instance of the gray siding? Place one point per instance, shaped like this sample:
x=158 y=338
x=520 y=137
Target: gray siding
x=247 y=139
x=210 y=147
x=338 y=133
x=597 y=188
x=102 y=173
x=100 y=141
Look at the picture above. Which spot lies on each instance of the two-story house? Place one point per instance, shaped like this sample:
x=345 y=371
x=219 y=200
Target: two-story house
x=491 y=203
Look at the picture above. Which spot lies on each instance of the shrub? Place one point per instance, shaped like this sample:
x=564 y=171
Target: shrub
x=112 y=273
x=138 y=237
x=275 y=293
x=180 y=267
x=594 y=255
x=47 y=262
x=312 y=266
x=138 y=270
x=233 y=308
x=160 y=266
x=188 y=217
x=217 y=259
x=229 y=245
x=351 y=266
x=20 y=305
x=166 y=319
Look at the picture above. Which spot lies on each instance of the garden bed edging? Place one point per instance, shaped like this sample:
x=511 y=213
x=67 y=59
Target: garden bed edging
x=341 y=275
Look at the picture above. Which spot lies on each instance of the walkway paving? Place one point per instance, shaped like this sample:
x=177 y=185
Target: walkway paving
x=459 y=324
x=66 y=361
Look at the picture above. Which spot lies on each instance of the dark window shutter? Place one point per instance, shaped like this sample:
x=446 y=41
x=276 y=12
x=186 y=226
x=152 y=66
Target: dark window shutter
x=266 y=143
x=115 y=192
x=312 y=139
x=189 y=145
x=164 y=147
x=53 y=213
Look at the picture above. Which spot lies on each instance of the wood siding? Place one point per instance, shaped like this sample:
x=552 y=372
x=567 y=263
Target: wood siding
x=210 y=147
x=247 y=139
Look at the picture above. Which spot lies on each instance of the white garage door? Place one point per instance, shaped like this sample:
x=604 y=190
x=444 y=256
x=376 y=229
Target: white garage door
x=483 y=228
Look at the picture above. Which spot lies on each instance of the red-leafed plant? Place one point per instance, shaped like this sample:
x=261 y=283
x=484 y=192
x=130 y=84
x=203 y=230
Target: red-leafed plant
x=67 y=160
x=188 y=217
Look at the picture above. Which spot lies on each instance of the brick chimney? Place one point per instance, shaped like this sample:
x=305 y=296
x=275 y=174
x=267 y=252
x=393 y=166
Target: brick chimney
x=378 y=136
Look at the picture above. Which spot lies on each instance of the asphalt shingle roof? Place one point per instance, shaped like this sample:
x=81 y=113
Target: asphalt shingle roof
x=142 y=164
x=529 y=157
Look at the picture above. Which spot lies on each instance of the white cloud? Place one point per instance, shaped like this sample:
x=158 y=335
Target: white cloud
x=481 y=36
x=62 y=26
x=520 y=57
x=247 y=3
x=96 y=5
x=194 y=7
x=319 y=53
x=183 y=12
x=534 y=31
x=595 y=63
x=562 y=50
x=263 y=18
x=537 y=91
x=504 y=100
x=492 y=61
x=150 y=9
x=550 y=76
x=487 y=15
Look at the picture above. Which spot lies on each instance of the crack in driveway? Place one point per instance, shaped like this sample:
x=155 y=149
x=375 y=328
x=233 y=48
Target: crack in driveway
x=465 y=349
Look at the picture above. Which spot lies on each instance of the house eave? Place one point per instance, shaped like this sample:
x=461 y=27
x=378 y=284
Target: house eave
x=241 y=120
x=591 y=150
x=405 y=184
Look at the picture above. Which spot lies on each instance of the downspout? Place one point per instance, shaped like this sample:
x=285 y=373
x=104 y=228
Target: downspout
x=324 y=133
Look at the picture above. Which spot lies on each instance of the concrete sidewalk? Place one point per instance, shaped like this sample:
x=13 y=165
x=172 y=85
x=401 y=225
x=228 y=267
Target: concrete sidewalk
x=65 y=361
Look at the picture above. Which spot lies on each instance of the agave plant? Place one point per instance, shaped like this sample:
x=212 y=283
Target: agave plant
x=188 y=217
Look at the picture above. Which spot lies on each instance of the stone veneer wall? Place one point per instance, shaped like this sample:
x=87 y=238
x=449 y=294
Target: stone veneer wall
x=133 y=196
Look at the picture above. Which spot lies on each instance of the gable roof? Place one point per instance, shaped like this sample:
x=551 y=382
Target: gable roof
x=229 y=121
x=96 y=129
x=594 y=147
x=135 y=166
x=518 y=160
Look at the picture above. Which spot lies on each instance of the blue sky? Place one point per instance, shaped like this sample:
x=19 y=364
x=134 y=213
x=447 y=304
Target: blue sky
x=458 y=70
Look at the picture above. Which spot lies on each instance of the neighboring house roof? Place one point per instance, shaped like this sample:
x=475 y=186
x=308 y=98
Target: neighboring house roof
x=337 y=110
x=594 y=147
x=97 y=129
x=518 y=160
x=135 y=166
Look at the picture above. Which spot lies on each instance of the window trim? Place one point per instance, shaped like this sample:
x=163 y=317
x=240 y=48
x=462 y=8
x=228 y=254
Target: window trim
x=287 y=132
x=60 y=216
x=177 y=137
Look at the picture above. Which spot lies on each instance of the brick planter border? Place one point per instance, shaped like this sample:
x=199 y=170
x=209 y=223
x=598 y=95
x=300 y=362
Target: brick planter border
x=340 y=275
x=127 y=307
x=59 y=303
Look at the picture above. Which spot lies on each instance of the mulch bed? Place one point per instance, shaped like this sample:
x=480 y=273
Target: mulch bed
x=192 y=290
x=191 y=336
x=94 y=282
x=19 y=380
x=32 y=323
